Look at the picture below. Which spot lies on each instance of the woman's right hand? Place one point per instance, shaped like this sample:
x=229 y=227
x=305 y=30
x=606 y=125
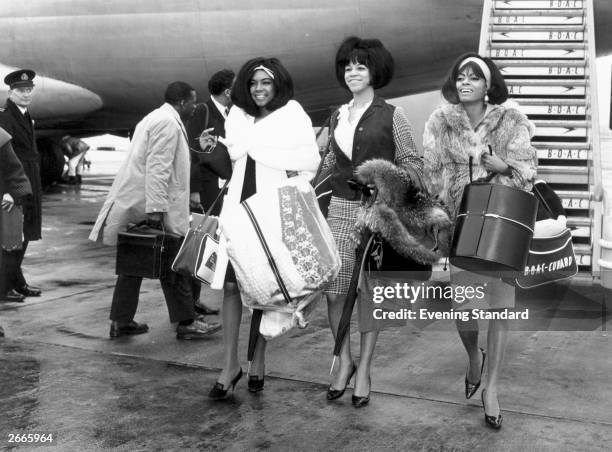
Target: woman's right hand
x=7 y=202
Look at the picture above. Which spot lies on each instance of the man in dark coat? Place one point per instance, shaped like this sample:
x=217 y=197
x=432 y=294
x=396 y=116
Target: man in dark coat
x=16 y=120
x=207 y=168
x=14 y=189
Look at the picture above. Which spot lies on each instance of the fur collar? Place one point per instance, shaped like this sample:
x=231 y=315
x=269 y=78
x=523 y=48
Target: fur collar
x=454 y=119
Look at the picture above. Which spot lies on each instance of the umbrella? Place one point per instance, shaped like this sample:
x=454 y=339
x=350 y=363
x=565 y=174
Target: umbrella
x=351 y=296
x=253 y=336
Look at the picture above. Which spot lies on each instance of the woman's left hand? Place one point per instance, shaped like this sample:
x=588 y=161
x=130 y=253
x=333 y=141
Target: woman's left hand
x=493 y=163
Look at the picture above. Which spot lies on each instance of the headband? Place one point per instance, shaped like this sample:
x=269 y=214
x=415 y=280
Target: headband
x=265 y=69
x=483 y=67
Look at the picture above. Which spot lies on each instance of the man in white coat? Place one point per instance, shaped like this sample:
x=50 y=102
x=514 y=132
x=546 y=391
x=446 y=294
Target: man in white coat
x=153 y=185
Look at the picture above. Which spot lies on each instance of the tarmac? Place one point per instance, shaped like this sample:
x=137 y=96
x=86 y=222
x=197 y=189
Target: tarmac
x=61 y=374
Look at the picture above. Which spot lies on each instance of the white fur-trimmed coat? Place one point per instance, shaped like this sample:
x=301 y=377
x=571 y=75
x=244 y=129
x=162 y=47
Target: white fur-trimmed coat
x=449 y=141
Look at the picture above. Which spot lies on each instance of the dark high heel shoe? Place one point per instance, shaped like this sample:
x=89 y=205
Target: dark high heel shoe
x=492 y=421
x=219 y=393
x=255 y=384
x=333 y=394
x=361 y=401
x=471 y=388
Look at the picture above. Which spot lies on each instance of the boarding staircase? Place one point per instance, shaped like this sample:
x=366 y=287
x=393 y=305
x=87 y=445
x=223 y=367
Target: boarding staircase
x=546 y=51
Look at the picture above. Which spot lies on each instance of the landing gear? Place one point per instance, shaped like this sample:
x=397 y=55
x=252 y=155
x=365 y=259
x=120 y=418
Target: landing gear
x=51 y=161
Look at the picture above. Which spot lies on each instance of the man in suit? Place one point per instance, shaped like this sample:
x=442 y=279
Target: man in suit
x=16 y=120
x=207 y=168
x=153 y=185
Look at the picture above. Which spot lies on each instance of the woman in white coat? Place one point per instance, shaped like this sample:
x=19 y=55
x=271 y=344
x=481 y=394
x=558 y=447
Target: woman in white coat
x=268 y=136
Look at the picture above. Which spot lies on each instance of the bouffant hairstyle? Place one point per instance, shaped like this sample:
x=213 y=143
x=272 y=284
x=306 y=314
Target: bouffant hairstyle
x=369 y=52
x=221 y=81
x=283 y=85
x=497 y=92
x=178 y=91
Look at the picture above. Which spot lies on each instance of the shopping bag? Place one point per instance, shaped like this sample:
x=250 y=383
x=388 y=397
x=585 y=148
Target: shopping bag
x=282 y=251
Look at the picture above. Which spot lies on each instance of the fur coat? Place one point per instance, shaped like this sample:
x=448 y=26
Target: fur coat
x=449 y=141
x=402 y=212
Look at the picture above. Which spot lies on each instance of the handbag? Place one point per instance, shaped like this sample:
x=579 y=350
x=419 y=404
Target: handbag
x=494 y=228
x=206 y=263
x=550 y=258
x=11 y=226
x=145 y=252
x=191 y=255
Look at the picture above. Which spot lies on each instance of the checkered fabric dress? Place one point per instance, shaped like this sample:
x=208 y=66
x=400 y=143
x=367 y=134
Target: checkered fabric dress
x=343 y=213
x=341 y=219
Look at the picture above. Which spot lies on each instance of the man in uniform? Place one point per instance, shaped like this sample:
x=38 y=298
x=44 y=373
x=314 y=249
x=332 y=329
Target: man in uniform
x=207 y=168
x=16 y=120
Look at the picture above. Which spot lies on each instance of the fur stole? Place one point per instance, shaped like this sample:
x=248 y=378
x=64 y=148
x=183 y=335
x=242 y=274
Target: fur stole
x=403 y=212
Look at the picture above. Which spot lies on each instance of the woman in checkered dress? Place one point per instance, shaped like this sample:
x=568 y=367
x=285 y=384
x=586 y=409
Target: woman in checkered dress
x=365 y=128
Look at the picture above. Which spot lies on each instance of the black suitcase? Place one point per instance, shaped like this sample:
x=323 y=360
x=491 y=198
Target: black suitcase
x=146 y=252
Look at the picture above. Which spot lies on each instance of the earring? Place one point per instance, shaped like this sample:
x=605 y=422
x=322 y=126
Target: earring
x=486 y=98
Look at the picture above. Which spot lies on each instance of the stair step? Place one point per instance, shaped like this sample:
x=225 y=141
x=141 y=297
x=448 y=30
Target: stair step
x=520 y=89
x=544 y=63
x=554 y=109
x=564 y=174
x=524 y=101
x=570 y=203
x=537 y=50
x=545 y=5
x=569 y=12
x=542 y=71
x=521 y=18
x=563 y=154
x=505 y=28
x=537 y=34
x=558 y=145
x=574 y=194
x=583 y=255
x=573 y=199
x=565 y=129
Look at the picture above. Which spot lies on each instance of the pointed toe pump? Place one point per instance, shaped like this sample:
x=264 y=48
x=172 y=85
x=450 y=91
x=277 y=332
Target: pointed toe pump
x=218 y=392
x=471 y=388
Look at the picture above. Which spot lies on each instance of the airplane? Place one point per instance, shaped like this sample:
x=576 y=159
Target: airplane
x=103 y=65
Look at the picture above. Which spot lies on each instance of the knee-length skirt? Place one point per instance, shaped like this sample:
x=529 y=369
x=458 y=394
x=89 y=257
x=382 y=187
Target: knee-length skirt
x=341 y=219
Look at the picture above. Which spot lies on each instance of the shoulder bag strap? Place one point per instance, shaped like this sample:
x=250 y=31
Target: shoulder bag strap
x=264 y=244
x=541 y=200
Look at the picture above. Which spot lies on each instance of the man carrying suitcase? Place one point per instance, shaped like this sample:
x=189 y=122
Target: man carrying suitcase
x=153 y=185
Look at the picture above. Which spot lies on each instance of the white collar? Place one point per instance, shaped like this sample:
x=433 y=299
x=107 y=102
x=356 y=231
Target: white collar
x=219 y=106
x=23 y=110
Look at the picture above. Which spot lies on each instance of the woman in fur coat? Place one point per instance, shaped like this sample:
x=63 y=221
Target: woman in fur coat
x=476 y=118
x=269 y=136
x=364 y=129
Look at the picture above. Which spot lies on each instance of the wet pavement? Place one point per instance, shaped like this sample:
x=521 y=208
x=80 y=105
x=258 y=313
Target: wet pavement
x=60 y=374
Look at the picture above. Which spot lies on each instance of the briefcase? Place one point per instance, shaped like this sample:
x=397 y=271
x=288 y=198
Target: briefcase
x=11 y=229
x=146 y=252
